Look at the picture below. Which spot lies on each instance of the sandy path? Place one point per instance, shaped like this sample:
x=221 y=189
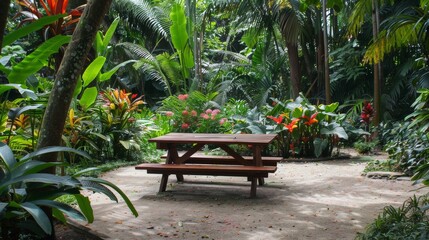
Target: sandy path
x=323 y=200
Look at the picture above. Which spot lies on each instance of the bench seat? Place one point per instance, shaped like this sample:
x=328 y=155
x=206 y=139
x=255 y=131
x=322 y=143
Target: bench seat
x=213 y=170
x=201 y=158
x=252 y=172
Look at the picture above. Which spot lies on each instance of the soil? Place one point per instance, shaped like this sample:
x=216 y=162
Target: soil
x=302 y=200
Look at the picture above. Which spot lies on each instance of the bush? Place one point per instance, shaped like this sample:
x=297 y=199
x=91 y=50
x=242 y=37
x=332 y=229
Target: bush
x=410 y=221
x=306 y=130
x=364 y=147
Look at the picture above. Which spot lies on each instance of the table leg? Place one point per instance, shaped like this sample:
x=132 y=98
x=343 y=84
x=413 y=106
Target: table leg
x=172 y=156
x=253 y=187
x=261 y=181
x=163 y=184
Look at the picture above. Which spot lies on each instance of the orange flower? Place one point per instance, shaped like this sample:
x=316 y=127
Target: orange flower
x=278 y=120
x=292 y=125
x=311 y=120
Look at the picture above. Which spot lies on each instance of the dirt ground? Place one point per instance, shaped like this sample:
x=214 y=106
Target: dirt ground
x=315 y=200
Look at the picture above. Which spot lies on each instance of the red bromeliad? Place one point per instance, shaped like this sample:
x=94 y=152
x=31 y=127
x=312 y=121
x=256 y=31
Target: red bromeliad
x=367 y=113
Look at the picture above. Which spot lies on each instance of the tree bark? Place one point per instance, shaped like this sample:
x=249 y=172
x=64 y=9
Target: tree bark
x=295 y=75
x=4 y=11
x=326 y=56
x=377 y=90
x=70 y=69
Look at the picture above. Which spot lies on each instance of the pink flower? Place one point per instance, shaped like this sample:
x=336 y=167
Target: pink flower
x=169 y=113
x=222 y=121
x=183 y=97
x=193 y=113
x=215 y=112
x=205 y=116
x=185 y=126
x=185 y=112
x=209 y=111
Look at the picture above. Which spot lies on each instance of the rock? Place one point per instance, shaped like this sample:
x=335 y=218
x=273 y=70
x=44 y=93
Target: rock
x=388 y=175
x=403 y=179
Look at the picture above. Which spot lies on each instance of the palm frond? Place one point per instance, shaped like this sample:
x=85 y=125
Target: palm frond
x=143 y=16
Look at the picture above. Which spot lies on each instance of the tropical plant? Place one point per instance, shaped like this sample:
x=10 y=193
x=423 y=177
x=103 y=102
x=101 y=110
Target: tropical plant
x=410 y=221
x=194 y=112
x=306 y=130
x=25 y=192
x=115 y=117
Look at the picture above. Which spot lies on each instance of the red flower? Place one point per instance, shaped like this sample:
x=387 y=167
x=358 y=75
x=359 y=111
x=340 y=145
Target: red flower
x=292 y=125
x=367 y=113
x=185 y=126
x=278 y=120
x=311 y=120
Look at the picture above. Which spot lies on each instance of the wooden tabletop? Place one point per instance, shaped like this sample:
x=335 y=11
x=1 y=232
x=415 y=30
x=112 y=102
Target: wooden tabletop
x=215 y=138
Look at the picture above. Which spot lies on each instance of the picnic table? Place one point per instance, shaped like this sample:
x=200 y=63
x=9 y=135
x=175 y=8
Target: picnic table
x=192 y=162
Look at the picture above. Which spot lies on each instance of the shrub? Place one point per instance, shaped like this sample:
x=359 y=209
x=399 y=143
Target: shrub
x=194 y=112
x=306 y=130
x=364 y=147
x=410 y=221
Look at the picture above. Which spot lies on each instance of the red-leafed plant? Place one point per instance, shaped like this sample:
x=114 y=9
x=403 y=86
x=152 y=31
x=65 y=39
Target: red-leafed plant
x=65 y=25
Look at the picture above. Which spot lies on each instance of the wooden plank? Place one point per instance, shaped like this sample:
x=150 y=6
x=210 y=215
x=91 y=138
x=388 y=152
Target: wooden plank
x=215 y=138
x=214 y=170
x=201 y=158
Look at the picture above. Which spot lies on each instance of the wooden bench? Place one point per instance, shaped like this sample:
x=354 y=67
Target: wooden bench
x=201 y=158
x=251 y=172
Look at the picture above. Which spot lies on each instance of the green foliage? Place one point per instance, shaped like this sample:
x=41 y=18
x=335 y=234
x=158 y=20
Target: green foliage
x=306 y=130
x=24 y=192
x=194 y=112
x=410 y=221
x=179 y=38
x=381 y=165
x=364 y=147
x=36 y=60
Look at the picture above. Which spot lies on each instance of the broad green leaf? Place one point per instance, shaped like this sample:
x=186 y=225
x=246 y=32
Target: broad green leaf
x=188 y=57
x=14 y=113
x=98 y=43
x=118 y=190
x=97 y=187
x=59 y=215
x=85 y=207
x=7 y=155
x=92 y=71
x=5 y=70
x=41 y=178
x=109 y=34
x=88 y=97
x=37 y=59
x=29 y=28
x=69 y=211
x=319 y=146
x=331 y=107
x=29 y=167
x=78 y=88
x=179 y=36
x=334 y=129
x=52 y=149
x=107 y=75
x=39 y=216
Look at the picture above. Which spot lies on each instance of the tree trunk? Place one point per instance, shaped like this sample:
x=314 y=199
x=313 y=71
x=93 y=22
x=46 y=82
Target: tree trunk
x=295 y=75
x=4 y=11
x=326 y=56
x=377 y=90
x=70 y=69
